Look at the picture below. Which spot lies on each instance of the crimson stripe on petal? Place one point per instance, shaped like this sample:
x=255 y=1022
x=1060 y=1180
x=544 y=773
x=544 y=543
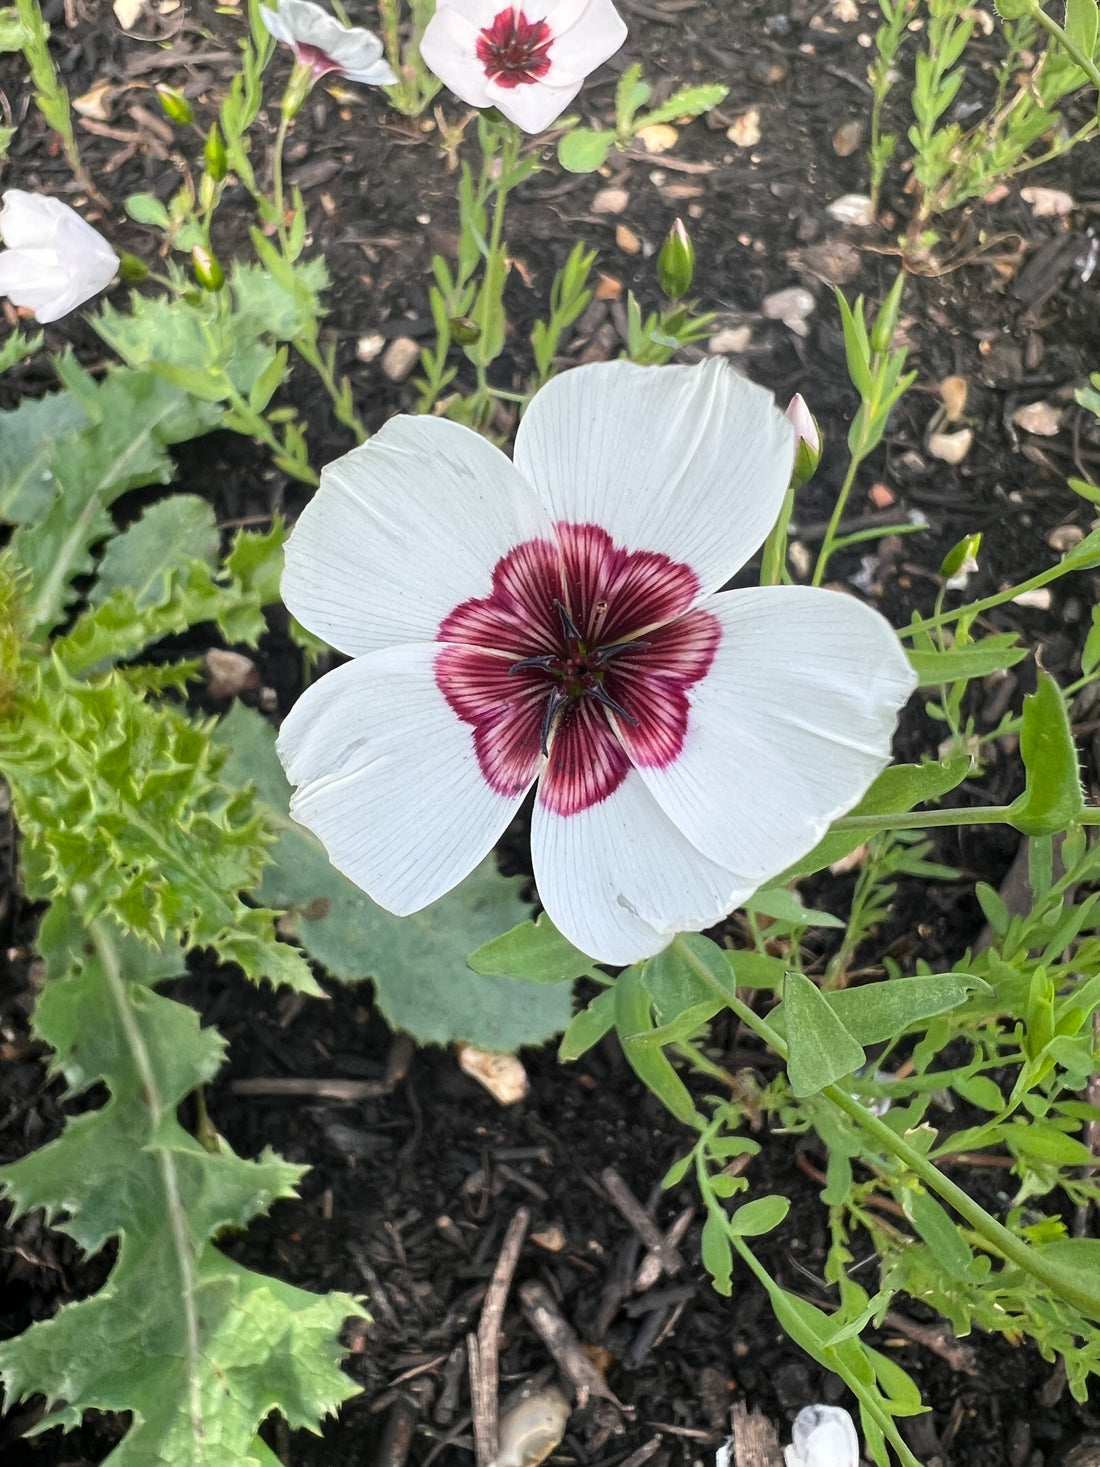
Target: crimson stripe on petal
x=505 y=712
x=614 y=594
x=518 y=616
x=587 y=763
x=651 y=685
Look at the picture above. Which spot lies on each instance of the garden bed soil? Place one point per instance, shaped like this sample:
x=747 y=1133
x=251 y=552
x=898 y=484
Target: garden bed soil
x=411 y=1189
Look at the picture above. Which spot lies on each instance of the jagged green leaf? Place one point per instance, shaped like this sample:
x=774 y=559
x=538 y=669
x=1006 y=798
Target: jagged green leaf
x=417 y=963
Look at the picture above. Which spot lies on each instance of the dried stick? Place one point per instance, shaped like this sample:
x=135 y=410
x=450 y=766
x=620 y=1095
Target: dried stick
x=483 y=1349
x=563 y=1344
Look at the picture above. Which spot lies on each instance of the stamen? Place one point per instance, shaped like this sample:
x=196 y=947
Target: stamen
x=554 y=703
x=602 y=696
x=603 y=655
x=546 y=661
x=568 y=625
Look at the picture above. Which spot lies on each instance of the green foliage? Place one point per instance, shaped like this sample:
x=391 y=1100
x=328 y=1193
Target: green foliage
x=1052 y=799
x=582 y=150
x=417 y=963
x=176 y=1320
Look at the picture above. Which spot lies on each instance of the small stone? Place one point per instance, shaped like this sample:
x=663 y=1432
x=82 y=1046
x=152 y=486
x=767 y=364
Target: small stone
x=658 y=137
x=1065 y=537
x=1048 y=203
x=732 y=340
x=847 y=138
x=801 y=558
x=551 y=1239
x=228 y=673
x=369 y=347
x=127 y=12
x=953 y=395
x=881 y=496
x=745 y=130
x=1039 y=600
x=530 y=1431
x=769 y=72
x=610 y=201
x=400 y=357
x=791 y=306
x=627 y=240
x=95 y=104
x=1041 y=418
x=502 y=1075
x=608 y=288
x=854 y=209
x=951 y=448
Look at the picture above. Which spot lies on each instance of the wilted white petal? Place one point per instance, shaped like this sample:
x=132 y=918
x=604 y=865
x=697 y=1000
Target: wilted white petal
x=54 y=261
x=320 y=41
x=822 y=1436
x=788 y=728
x=387 y=779
x=403 y=530
x=619 y=880
x=692 y=462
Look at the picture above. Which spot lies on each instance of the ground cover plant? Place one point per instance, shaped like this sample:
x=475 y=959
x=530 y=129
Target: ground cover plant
x=704 y=757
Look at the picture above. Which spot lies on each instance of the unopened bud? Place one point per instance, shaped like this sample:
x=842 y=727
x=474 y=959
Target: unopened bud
x=886 y=321
x=207 y=270
x=175 y=105
x=464 y=332
x=214 y=154
x=676 y=262
x=807 y=455
x=297 y=89
x=131 y=269
x=960 y=560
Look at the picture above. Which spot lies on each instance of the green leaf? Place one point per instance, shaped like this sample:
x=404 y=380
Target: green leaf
x=148 y=209
x=17 y=346
x=169 y=535
x=13 y=33
x=28 y=440
x=958 y=664
x=1052 y=797
x=937 y=1230
x=717 y=1255
x=784 y=906
x=820 y=1048
x=634 y=1022
x=417 y=963
x=583 y=151
x=878 y=1011
x=761 y=1215
x=588 y=1027
x=1081 y=18
x=533 y=951
x=687 y=102
x=899 y=788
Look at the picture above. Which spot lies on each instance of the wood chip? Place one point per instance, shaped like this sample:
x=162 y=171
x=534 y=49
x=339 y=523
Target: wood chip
x=502 y=1075
x=1040 y=418
x=127 y=12
x=96 y=103
x=732 y=339
x=627 y=240
x=608 y=288
x=1048 y=203
x=951 y=448
x=610 y=201
x=659 y=137
x=744 y=132
x=953 y=395
x=561 y=1340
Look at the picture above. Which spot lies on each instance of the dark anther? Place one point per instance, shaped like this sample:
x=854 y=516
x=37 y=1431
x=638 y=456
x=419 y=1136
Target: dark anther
x=601 y=695
x=554 y=703
x=603 y=655
x=568 y=625
x=546 y=661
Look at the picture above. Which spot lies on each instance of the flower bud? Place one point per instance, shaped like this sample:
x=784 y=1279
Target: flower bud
x=676 y=262
x=175 y=105
x=297 y=89
x=207 y=270
x=214 y=154
x=960 y=560
x=131 y=269
x=807 y=455
x=464 y=332
x=886 y=320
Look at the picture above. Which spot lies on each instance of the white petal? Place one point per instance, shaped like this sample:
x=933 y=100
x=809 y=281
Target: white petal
x=788 y=728
x=586 y=33
x=372 y=74
x=388 y=780
x=401 y=531
x=535 y=106
x=449 y=48
x=689 y=461
x=823 y=1436
x=276 y=24
x=619 y=880
x=29 y=219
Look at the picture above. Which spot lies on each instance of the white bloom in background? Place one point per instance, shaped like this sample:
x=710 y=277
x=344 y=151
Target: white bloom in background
x=325 y=46
x=554 y=620
x=822 y=1436
x=53 y=262
x=529 y=60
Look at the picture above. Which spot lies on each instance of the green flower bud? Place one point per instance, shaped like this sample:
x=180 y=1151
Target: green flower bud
x=208 y=272
x=807 y=455
x=886 y=321
x=131 y=269
x=297 y=89
x=961 y=558
x=214 y=154
x=175 y=105
x=464 y=332
x=676 y=262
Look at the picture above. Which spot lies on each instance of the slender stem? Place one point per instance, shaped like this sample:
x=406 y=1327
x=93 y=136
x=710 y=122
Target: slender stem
x=143 y=1064
x=828 y=545
x=277 y=179
x=1086 y=63
x=930 y=819
x=975 y=608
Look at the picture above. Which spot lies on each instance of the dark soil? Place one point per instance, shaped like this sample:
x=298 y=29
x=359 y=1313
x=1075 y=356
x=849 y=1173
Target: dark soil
x=409 y=1194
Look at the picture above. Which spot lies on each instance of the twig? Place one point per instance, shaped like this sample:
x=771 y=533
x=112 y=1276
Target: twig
x=641 y=1220
x=938 y=1339
x=483 y=1348
x=559 y=1338
x=653 y=1263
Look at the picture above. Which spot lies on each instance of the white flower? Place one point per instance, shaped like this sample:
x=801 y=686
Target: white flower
x=527 y=59
x=323 y=45
x=822 y=1436
x=804 y=423
x=555 y=620
x=54 y=262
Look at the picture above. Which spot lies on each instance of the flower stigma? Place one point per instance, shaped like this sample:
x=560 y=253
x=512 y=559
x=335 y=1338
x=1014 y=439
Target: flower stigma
x=514 y=50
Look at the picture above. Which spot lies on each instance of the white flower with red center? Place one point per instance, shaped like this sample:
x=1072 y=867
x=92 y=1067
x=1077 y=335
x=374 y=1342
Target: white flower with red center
x=325 y=47
x=54 y=261
x=558 y=620
x=529 y=60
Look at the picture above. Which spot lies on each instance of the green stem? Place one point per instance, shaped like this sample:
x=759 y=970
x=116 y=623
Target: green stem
x=1086 y=63
x=975 y=608
x=277 y=180
x=828 y=545
x=135 y=1042
x=993 y=1233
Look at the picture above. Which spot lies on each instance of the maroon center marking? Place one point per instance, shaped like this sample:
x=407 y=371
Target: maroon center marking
x=319 y=62
x=514 y=50
x=579 y=659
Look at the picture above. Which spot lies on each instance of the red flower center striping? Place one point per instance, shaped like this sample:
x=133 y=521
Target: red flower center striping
x=579 y=659
x=514 y=50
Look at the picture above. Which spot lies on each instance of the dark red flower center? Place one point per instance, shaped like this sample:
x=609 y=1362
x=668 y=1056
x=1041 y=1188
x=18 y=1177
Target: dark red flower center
x=514 y=50
x=579 y=660
x=319 y=62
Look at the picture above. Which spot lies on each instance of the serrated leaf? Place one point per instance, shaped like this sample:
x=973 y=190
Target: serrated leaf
x=417 y=963
x=169 y=535
x=687 y=102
